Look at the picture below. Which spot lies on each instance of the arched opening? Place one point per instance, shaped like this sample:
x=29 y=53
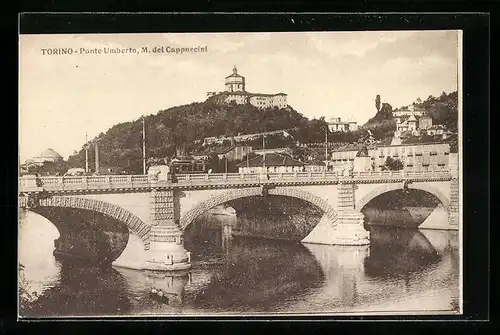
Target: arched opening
x=270 y=217
x=231 y=196
x=91 y=231
x=400 y=208
x=38 y=268
x=61 y=256
x=85 y=236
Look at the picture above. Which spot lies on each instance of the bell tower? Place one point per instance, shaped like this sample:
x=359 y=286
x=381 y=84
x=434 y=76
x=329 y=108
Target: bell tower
x=235 y=82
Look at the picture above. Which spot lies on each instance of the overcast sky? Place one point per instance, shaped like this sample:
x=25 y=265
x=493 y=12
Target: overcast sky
x=329 y=74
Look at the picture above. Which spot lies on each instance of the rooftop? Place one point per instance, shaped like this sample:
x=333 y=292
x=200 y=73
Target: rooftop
x=272 y=159
x=50 y=153
x=235 y=73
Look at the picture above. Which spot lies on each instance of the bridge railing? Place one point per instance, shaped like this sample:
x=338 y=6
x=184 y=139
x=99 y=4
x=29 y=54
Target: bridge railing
x=29 y=183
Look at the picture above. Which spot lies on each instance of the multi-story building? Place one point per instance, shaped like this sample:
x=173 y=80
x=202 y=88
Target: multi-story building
x=271 y=163
x=236 y=93
x=420 y=157
x=336 y=124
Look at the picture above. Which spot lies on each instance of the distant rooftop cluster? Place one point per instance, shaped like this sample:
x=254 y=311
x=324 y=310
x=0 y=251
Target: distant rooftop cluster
x=415 y=121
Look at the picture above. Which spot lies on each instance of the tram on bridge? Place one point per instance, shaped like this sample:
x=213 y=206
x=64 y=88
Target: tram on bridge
x=187 y=165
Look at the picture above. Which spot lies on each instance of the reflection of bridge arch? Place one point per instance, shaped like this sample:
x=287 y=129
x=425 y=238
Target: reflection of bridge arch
x=397 y=186
x=134 y=223
x=251 y=192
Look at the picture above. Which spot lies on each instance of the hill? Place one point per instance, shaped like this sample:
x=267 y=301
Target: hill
x=443 y=110
x=184 y=127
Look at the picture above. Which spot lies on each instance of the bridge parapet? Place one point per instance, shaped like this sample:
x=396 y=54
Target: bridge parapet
x=29 y=184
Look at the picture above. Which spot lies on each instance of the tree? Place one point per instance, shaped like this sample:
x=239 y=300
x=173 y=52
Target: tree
x=213 y=162
x=393 y=164
x=377 y=102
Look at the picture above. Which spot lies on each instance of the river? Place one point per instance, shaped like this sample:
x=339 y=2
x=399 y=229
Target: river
x=403 y=270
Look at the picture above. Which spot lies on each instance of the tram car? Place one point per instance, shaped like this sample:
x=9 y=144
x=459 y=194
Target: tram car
x=188 y=165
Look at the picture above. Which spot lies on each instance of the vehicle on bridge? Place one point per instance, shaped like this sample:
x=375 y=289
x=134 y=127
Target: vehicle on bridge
x=75 y=172
x=187 y=165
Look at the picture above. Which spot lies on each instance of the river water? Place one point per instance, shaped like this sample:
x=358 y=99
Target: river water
x=403 y=270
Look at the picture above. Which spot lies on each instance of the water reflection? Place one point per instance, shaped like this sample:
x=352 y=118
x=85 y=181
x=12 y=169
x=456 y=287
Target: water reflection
x=83 y=291
x=168 y=287
x=398 y=252
x=260 y=274
x=343 y=267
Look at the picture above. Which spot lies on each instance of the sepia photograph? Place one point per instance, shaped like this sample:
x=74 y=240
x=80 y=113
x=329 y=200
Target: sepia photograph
x=240 y=174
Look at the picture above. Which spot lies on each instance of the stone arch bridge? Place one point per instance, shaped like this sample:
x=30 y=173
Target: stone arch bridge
x=153 y=214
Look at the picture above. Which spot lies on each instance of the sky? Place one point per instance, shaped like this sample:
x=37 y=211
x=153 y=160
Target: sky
x=332 y=74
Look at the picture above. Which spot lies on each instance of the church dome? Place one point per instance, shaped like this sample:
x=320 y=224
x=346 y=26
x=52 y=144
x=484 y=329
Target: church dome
x=51 y=154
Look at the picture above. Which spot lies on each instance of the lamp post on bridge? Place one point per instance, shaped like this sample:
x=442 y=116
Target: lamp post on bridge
x=264 y=153
x=143 y=145
x=326 y=148
x=86 y=154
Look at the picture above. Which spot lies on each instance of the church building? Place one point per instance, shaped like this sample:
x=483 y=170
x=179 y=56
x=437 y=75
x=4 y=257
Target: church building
x=236 y=93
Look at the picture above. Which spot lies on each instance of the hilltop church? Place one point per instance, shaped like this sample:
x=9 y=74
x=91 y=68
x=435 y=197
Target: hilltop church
x=236 y=92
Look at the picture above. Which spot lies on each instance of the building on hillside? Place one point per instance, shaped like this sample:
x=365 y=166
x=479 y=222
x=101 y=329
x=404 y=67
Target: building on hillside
x=409 y=125
x=408 y=110
x=271 y=163
x=273 y=151
x=424 y=122
x=236 y=93
x=243 y=137
x=232 y=152
x=415 y=157
x=314 y=165
x=447 y=134
x=336 y=124
x=435 y=130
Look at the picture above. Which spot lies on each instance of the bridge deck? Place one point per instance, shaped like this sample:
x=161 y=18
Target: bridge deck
x=54 y=184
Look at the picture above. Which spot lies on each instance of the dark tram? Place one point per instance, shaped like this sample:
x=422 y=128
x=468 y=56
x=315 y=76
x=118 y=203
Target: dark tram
x=188 y=165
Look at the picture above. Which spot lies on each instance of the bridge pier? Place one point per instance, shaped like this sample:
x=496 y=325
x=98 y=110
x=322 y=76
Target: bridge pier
x=166 y=251
x=347 y=229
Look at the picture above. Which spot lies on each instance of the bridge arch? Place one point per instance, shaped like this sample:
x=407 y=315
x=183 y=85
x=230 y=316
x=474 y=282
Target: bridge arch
x=398 y=186
x=256 y=191
x=134 y=223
